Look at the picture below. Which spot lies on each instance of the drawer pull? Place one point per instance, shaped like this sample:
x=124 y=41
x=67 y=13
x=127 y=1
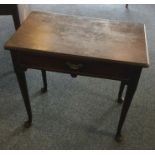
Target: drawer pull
x=74 y=66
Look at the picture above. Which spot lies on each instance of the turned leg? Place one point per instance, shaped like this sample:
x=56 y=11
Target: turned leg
x=126 y=5
x=23 y=87
x=120 y=98
x=44 y=89
x=131 y=88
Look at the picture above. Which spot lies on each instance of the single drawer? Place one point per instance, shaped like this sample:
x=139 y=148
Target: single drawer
x=76 y=66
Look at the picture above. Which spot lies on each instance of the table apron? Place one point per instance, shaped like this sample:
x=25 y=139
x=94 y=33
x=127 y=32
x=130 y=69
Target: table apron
x=114 y=71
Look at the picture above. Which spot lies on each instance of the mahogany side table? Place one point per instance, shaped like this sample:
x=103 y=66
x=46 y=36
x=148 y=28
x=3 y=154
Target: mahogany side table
x=80 y=46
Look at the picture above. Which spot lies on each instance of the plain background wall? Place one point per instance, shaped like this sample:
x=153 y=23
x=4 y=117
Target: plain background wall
x=24 y=11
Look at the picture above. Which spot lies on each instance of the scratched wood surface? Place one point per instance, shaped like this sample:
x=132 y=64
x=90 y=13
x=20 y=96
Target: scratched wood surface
x=82 y=36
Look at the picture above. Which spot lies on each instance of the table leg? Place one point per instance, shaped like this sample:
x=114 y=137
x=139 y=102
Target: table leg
x=44 y=89
x=15 y=15
x=23 y=87
x=131 y=88
x=120 y=98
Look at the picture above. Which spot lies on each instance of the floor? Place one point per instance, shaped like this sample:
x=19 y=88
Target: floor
x=77 y=113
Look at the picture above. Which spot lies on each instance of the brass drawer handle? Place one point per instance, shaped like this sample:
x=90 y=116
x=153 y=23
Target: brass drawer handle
x=74 y=66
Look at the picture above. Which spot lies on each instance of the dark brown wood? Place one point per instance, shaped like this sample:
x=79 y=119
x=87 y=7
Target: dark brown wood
x=44 y=89
x=131 y=88
x=20 y=73
x=111 y=41
x=90 y=67
x=23 y=87
x=80 y=46
x=120 y=97
x=16 y=18
x=11 y=9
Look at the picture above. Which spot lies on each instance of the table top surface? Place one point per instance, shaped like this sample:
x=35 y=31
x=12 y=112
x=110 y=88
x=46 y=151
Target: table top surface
x=107 y=40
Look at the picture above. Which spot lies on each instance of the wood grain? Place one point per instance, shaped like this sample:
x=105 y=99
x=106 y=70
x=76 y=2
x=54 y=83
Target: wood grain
x=82 y=36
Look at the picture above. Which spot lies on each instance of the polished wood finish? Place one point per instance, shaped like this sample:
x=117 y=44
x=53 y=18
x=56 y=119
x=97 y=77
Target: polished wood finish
x=81 y=36
x=80 y=46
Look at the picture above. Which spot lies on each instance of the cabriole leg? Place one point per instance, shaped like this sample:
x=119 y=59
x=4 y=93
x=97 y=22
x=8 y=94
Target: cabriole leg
x=23 y=87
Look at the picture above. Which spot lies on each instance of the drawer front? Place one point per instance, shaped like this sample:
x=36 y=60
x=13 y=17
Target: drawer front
x=76 y=66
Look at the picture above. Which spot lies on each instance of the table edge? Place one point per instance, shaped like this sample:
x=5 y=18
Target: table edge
x=74 y=56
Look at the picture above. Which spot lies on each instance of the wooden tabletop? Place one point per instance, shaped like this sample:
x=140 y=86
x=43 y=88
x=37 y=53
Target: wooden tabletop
x=82 y=36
